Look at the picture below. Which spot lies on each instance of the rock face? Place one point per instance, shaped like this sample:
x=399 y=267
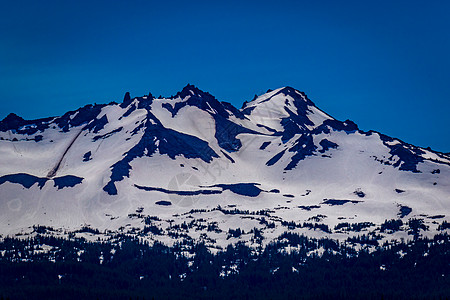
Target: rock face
x=195 y=168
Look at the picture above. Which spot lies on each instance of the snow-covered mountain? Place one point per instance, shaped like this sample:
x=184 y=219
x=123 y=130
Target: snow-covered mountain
x=192 y=167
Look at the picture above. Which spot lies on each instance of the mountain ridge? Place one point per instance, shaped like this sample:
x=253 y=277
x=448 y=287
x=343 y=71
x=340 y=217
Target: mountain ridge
x=279 y=154
x=14 y=121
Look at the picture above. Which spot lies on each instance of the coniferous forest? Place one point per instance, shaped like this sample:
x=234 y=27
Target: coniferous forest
x=293 y=267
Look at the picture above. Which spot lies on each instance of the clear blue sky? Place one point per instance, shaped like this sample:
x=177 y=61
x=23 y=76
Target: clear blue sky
x=383 y=64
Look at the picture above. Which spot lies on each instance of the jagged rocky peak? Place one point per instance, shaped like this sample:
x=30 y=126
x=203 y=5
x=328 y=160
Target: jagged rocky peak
x=143 y=102
x=295 y=94
x=127 y=98
x=286 y=98
x=12 y=117
x=293 y=98
x=193 y=91
x=190 y=95
x=11 y=121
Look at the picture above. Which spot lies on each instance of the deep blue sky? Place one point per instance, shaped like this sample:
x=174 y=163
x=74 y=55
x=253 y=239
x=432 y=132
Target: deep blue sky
x=383 y=64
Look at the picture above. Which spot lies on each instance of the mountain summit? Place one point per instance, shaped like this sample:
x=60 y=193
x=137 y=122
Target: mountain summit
x=278 y=163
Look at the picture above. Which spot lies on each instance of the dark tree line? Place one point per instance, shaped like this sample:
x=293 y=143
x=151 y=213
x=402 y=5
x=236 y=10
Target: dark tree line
x=292 y=267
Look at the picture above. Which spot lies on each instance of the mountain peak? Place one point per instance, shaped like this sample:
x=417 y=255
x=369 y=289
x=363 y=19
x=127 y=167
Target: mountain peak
x=12 y=117
x=193 y=159
x=192 y=90
x=295 y=94
x=190 y=95
x=271 y=96
x=11 y=121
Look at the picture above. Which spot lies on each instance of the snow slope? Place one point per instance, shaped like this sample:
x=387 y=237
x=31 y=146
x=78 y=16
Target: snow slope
x=192 y=167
